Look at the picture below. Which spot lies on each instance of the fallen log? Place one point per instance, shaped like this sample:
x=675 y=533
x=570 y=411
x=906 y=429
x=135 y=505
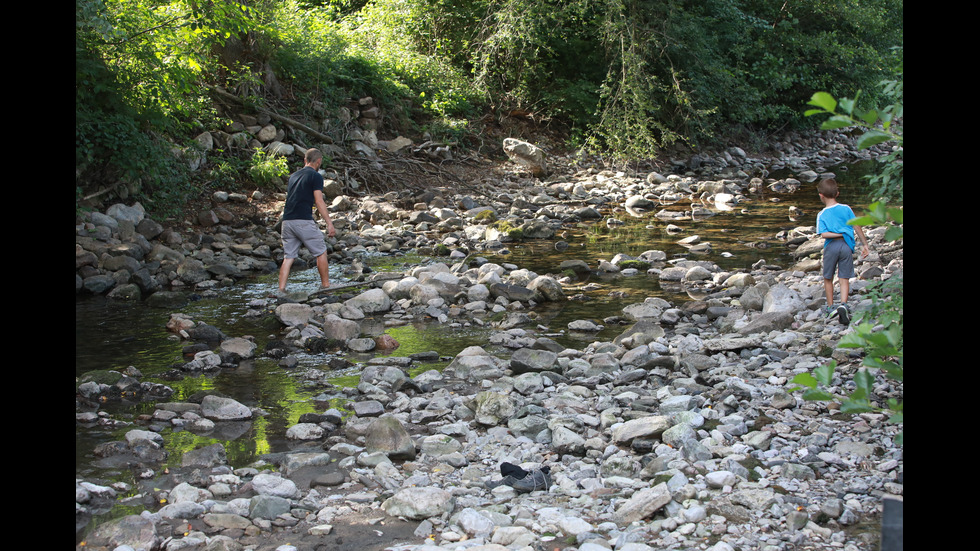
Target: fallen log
x=285 y=120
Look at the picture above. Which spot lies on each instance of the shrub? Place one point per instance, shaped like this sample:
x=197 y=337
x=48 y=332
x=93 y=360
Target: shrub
x=267 y=169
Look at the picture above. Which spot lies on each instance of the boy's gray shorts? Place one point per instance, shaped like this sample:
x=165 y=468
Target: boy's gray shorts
x=302 y=232
x=838 y=257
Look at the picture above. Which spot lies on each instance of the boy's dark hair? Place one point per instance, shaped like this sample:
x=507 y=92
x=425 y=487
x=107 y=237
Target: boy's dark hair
x=828 y=188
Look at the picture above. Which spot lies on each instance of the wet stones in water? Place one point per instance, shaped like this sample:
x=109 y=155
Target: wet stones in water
x=277 y=348
x=203 y=332
x=320 y=345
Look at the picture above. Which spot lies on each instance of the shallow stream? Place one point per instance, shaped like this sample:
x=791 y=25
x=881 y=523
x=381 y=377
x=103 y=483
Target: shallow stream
x=115 y=335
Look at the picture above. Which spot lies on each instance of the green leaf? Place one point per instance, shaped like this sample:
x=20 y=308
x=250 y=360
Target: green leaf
x=864 y=381
x=896 y=214
x=825 y=373
x=805 y=379
x=894 y=371
x=872 y=138
x=849 y=406
x=852 y=340
x=870 y=117
x=817 y=395
x=847 y=105
x=886 y=120
x=824 y=101
x=879 y=339
x=835 y=122
x=894 y=233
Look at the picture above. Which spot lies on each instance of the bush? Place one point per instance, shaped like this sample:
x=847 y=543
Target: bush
x=267 y=169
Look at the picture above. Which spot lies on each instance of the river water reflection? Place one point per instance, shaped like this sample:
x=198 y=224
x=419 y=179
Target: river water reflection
x=115 y=335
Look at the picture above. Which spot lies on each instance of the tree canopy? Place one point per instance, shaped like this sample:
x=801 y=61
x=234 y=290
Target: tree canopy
x=625 y=77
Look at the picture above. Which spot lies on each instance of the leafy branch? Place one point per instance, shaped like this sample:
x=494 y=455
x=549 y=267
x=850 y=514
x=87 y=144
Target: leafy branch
x=880 y=330
x=850 y=116
x=884 y=351
x=879 y=126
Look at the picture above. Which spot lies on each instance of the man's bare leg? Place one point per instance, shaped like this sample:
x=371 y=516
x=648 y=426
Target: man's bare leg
x=287 y=263
x=324 y=269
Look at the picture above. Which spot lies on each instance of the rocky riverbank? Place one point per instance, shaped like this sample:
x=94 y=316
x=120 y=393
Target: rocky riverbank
x=682 y=432
x=128 y=254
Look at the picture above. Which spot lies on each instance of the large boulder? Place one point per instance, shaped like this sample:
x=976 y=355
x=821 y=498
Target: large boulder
x=219 y=408
x=530 y=360
x=292 y=313
x=130 y=531
x=371 y=301
x=781 y=298
x=387 y=435
x=547 y=288
x=419 y=503
x=526 y=155
x=492 y=408
x=335 y=327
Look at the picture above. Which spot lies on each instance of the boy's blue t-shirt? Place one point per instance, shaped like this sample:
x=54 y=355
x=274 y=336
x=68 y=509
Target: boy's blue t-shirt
x=834 y=219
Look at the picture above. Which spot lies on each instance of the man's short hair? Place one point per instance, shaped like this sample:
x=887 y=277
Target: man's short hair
x=828 y=188
x=312 y=156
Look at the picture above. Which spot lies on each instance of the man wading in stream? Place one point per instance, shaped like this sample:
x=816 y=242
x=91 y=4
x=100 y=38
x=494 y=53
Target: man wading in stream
x=305 y=191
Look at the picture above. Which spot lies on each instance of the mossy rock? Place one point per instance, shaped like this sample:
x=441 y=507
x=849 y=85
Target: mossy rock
x=101 y=376
x=513 y=232
x=486 y=216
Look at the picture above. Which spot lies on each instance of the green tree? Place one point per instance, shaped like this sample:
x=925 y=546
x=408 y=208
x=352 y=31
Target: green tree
x=639 y=74
x=139 y=66
x=624 y=77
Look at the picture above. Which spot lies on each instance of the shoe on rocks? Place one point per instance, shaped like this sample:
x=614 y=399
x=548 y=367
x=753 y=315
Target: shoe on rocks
x=522 y=481
x=538 y=479
x=505 y=481
x=844 y=314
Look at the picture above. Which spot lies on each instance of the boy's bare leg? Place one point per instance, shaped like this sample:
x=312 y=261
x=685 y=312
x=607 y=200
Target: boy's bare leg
x=828 y=289
x=845 y=290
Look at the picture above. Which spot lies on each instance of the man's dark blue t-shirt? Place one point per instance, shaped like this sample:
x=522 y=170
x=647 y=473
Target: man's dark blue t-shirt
x=299 y=194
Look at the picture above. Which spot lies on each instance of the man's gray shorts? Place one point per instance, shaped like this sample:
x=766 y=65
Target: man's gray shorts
x=302 y=232
x=837 y=256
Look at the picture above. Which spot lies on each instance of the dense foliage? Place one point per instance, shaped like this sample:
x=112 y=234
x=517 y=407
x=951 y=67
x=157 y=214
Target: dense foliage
x=626 y=77
x=139 y=70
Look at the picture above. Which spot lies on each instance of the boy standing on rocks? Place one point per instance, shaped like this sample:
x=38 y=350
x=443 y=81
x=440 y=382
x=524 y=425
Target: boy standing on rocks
x=838 y=248
x=305 y=191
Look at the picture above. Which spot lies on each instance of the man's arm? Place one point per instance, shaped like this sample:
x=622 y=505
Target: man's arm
x=321 y=207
